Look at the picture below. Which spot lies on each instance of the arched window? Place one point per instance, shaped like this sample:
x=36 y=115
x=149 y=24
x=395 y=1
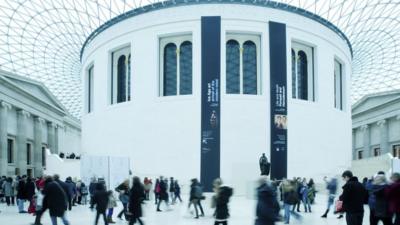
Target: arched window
x=185 y=67
x=170 y=70
x=249 y=68
x=232 y=67
x=294 y=80
x=128 y=82
x=302 y=74
x=121 y=79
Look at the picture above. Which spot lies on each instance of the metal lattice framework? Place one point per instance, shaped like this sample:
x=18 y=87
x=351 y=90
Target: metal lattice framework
x=42 y=39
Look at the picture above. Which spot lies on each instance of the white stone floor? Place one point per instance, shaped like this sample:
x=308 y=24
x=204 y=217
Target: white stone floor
x=242 y=213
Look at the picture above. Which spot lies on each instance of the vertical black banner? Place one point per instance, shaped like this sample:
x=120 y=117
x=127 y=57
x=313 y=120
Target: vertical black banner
x=210 y=100
x=278 y=88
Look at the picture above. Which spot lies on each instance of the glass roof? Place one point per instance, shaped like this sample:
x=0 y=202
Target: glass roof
x=42 y=39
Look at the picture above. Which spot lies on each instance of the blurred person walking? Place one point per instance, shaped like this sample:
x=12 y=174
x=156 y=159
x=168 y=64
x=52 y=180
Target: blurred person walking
x=353 y=197
x=177 y=194
x=8 y=188
x=290 y=199
x=57 y=200
x=393 y=195
x=21 y=193
x=304 y=192
x=123 y=190
x=267 y=211
x=100 y=200
x=147 y=187
x=157 y=190
x=136 y=198
x=196 y=195
x=221 y=199
x=163 y=194
x=378 y=204
x=112 y=203
x=331 y=186
x=42 y=205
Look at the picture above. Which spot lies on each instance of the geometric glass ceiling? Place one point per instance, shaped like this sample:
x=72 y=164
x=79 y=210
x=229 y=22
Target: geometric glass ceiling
x=42 y=39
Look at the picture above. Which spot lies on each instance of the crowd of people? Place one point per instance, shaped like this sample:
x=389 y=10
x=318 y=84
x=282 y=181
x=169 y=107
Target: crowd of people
x=37 y=195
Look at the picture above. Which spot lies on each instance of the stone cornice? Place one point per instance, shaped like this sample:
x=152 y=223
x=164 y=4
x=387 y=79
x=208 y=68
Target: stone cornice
x=5 y=105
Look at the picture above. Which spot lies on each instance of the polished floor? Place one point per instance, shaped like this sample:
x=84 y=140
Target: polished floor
x=242 y=213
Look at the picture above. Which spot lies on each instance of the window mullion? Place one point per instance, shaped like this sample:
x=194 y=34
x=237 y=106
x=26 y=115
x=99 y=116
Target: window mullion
x=241 y=68
x=178 y=70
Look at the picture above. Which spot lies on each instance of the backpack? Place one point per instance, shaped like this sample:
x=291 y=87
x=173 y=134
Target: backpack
x=198 y=192
x=84 y=190
x=291 y=198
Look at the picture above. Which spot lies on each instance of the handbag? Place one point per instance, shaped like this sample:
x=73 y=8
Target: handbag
x=339 y=206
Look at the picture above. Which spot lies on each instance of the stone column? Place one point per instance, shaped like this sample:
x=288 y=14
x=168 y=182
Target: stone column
x=56 y=133
x=51 y=137
x=4 y=107
x=366 y=141
x=37 y=145
x=384 y=136
x=21 y=159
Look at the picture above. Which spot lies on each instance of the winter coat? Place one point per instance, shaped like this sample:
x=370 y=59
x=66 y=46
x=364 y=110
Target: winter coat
x=136 y=198
x=56 y=198
x=30 y=190
x=92 y=188
x=21 y=192
x=100 y=199
x=177 y=189
x=163 y=191
x=196 y=192
x=71 y=187
x=332 y=187
x=381 y=204
x=8 y=188
x=267 y=210
x=393 y=194
x=354 y=196
x=221 y=202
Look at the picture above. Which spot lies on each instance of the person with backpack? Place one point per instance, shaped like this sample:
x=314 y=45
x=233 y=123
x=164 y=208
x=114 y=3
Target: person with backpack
x=123 y=190
x=196 y=195
x=290 y=199
x=378 y=204
x=267 y=211
x=221 y=198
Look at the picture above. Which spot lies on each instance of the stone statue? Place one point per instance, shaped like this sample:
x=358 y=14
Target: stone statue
x=264 y=165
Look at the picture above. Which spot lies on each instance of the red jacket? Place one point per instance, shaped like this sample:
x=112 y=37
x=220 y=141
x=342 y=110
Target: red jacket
x=393 y=196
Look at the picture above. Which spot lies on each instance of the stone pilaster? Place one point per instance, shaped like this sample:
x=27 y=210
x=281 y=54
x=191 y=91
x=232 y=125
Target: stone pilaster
x=366 y=141
x=384 y=136
x=21 y=160
x=37 y=145
x=4 y=108
x=51 y=136
x=56 y=134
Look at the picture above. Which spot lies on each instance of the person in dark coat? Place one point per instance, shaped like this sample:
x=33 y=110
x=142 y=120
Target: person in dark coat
x=267 y=211
x=92 y=189
x=378 y=204
x=392 y=193
x=39 y=213
x=221 y=198
x=331 y=186
x=136 y=198
x=21 y=194
x=177 y=194
x=30 y=193
x=163 y=195
x=57 y=199
x=100 y=199
x=354 y=197
x=71 y=192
